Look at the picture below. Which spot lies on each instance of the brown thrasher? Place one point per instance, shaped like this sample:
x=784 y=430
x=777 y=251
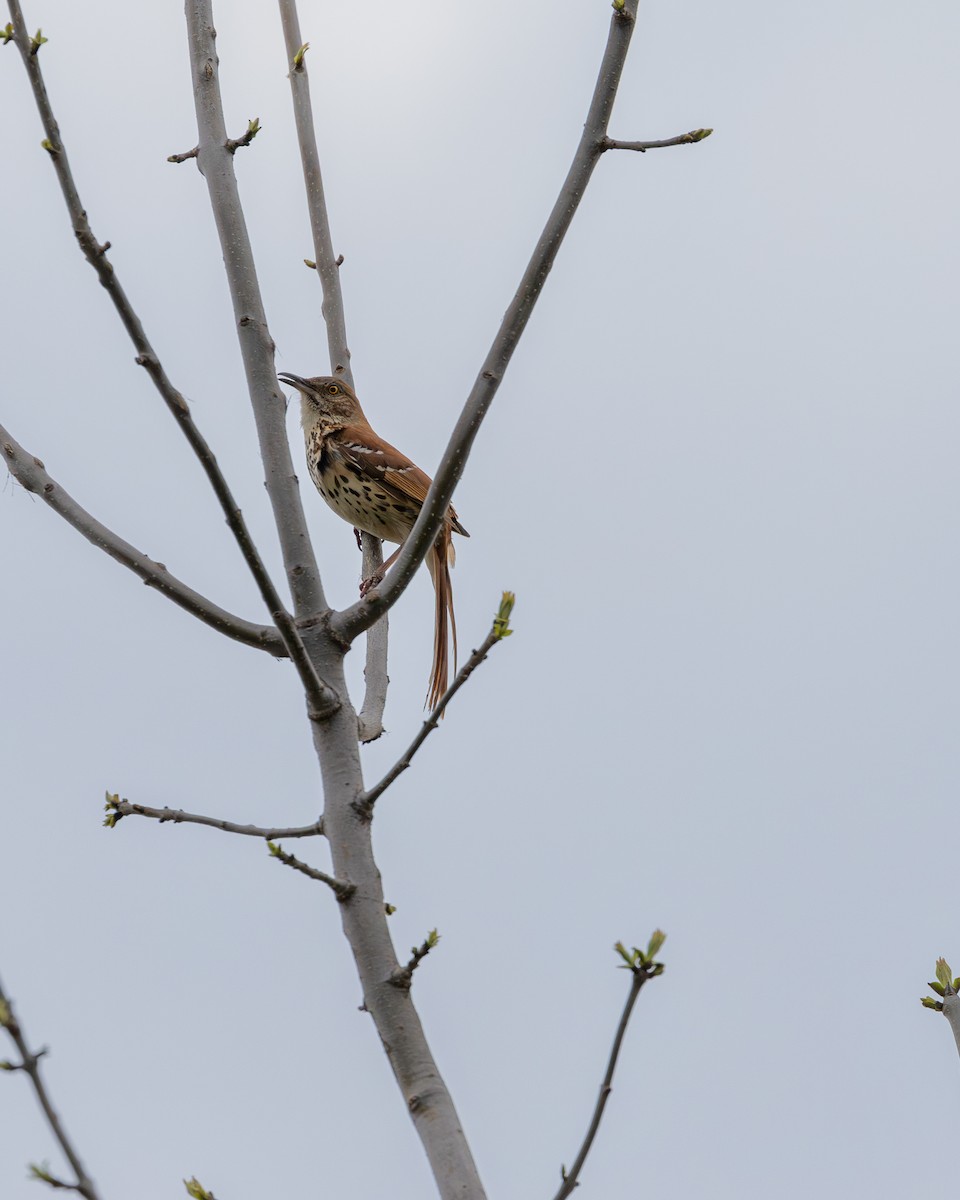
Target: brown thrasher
x=377 y=489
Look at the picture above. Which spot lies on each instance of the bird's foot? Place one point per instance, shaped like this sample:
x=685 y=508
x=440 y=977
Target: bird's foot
x=367 y=585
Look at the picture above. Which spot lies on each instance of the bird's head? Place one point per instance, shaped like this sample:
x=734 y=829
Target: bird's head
x=325 y=399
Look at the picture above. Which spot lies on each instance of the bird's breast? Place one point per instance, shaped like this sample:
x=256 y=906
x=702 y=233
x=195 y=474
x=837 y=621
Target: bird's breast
x=364 y=502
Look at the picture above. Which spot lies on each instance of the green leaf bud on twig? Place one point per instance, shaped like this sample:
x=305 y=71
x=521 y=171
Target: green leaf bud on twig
x=196 y=1189
x=37 y=41
x=7 y=34
x=928 y=1003
x=944 y=974
x=298 y=57
x=501 y=622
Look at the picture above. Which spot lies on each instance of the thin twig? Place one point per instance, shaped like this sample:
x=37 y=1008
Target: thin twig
x=184 y=157
x=323 y=701
x=235 y=144
x=369 y=798
x=343 y=891
x=326 y=263
x=683 y=139
x=643 y=970
x=370 y=723
x=117 y=808
x=402 y=977
x=352 y=621
x=30 y=1065
x=31 y=474
x=375 y=677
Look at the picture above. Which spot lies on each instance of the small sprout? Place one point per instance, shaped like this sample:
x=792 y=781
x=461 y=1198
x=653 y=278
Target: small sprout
x=928 y=1003
x=7 y=1065
x=7 y=34
x=6 y=1016
x=390 y=909
x=37 y=41
x=657 y=938
x=196 y=1189
x=253 y=128
x=944 y=974
x=49 y=146
x=937 y=987
x=697 y=135
x=637 y=960
x=501 y=622
x=42 y=1172
x=113 y=815
x=618 y=5
x=432 y=938
x=298 y=57
x=308 y=262
x=274 y=849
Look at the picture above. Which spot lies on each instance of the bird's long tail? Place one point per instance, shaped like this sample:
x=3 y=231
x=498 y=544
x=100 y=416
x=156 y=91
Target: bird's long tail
x=439 y=561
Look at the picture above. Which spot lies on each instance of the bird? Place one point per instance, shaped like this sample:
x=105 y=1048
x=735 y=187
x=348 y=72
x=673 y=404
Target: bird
x=377 y=489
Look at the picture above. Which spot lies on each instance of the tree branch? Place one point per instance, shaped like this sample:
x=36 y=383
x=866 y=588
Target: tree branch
x=31 y=474
x=30 y=1065
x=326 y=264
x=352 y=621
x=643 y=968
x=117 y=809
x=215 y=162
x=501 y=629
x=683 y=139
x=403 y=976
x=322 y=700
x=376 y=679
x=343 y=891
x=370 y=725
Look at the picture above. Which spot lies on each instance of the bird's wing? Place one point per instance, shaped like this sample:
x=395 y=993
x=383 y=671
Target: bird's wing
x=378 y=462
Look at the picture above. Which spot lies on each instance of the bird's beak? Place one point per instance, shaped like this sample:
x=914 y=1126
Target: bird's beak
x=294 y=381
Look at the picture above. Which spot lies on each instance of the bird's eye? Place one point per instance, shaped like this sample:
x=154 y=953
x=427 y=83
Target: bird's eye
x=333 y=389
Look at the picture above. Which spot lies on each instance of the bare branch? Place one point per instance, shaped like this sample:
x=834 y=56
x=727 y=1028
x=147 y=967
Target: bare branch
x=643 y=967
x=343 y=891
x=256 y=345
x=253 y=128
x=683 y=139
x=370 y=725
x=361 y=615
x=326 y=263
x=403 y=976
x=31 y=474
x=501 y=629
x=322 y=699
x=117 y=809
x=184 y=157
x=30 y=1065
x=370 y=720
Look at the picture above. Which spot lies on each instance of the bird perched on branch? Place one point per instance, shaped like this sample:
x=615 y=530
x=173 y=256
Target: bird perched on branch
x=376 y=489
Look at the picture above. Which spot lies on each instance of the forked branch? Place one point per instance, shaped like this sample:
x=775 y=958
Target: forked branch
x=31 y=474
x=359 y=616
x=322 y=699
x=29 y=1064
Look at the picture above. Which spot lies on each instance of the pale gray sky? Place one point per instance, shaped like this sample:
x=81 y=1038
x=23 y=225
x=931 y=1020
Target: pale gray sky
x=730 y=705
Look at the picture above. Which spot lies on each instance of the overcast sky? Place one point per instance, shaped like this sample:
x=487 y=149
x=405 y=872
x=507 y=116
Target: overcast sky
x=721 y=476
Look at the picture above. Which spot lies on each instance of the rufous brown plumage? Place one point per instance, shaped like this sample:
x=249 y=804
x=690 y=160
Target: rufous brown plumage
x=376 y=489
